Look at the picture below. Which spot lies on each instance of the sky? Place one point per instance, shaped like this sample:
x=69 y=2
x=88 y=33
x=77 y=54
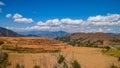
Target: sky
x=61 y=15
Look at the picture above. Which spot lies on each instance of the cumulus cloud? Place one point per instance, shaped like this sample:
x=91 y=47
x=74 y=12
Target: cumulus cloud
x=24 y=20
x=99 y=23
x=110 y=19
x=20 y=19
x=1 y=3
x=8 y=15
x=17 y=16
x=70 y=21
x=49 y=22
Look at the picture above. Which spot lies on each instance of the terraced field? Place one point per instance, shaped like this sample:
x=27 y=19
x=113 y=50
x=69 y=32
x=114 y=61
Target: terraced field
x=32 y=55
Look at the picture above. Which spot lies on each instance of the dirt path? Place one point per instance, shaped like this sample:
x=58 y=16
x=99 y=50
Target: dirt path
x=87 y=57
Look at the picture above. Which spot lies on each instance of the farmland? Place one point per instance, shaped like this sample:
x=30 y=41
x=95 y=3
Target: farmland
x=28 y=54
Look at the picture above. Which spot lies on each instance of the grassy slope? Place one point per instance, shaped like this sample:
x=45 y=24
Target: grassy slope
x=87 y=57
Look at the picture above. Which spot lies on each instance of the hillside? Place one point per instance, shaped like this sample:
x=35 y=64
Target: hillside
x=86 y=57
x=24 y=43
x=89 y=39
x=8 y=33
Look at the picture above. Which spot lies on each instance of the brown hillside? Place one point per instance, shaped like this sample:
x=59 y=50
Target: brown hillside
x=90 y=39
x=33 y=43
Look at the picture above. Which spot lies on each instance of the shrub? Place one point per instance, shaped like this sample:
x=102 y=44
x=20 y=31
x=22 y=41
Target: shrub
x=107 y=48
x=61 y=59
x=75 y=64
x=113 y=66
x=17 y=66
x=4 y=60
x=65 y=65
x=3 y=57
x=1 y=42
x=36 y=66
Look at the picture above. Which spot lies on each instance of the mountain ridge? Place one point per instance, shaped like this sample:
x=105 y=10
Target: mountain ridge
x=8 y=33
x=90 y=39
x=47 y=34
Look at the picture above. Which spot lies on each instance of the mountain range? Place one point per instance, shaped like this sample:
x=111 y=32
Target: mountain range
x=70 y=38
x=47 y=34
x=8 y=33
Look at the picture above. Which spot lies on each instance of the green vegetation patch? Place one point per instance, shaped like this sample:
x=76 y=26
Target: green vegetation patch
x=111 y=51
x=4 y=60
x=27 y=50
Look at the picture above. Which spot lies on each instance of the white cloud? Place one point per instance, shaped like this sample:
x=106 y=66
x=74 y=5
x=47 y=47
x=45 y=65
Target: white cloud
x=20 y=19
x=108 y=23
x=110 y=19
x=8 y=15
x=1 y=3
x=17 y=16
x=54 y=22
x=70 y=21
x=23 y=20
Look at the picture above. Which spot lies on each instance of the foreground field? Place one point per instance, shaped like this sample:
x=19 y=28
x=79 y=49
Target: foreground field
x=87 y=58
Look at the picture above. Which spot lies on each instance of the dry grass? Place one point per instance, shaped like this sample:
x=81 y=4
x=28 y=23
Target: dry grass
x=87 y=57
x=34 y=43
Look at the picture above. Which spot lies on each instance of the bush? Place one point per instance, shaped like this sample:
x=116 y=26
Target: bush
x=1 y=42
x=107 y=48
x=65 y=65
x=113 y=66
x=61 y=59
x=19 y=66
x=75 y=64
x=4 y=60
x=36 y=66
x=3 y=57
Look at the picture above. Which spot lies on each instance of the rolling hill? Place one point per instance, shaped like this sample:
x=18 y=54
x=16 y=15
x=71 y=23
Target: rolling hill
x=24 y=43
x=89 y=39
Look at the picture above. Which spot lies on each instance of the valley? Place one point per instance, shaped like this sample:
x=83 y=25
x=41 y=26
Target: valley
x=27 y=52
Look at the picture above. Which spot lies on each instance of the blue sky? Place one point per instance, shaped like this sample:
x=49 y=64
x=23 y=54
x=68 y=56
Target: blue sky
x=65 y=15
